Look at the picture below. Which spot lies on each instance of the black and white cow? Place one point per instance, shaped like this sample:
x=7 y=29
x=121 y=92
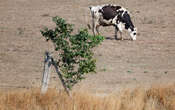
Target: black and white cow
x=112 y=15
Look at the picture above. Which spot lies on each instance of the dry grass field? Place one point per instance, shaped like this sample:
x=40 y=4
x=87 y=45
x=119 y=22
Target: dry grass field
x=159 y=98
x=150 y=60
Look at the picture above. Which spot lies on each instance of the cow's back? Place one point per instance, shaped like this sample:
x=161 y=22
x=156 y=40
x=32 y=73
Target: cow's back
x=109 y=12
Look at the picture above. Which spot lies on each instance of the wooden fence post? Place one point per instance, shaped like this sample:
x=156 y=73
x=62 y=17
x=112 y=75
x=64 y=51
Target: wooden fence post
x=46 y=73
x=60 y=77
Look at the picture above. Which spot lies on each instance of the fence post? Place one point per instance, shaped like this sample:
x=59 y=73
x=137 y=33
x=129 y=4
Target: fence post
x=60 y=77
x=46 y=72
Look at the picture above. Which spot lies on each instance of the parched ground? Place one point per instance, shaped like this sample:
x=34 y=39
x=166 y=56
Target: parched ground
x=120 y=64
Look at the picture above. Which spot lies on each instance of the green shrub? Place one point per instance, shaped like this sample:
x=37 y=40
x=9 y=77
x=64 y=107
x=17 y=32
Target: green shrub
x=74 y=50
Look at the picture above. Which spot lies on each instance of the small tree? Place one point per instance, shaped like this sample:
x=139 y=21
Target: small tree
x=75 y=55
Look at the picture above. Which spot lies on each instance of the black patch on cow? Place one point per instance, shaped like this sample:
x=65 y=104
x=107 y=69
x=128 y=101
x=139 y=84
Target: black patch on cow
x=125 y=18
x=116 y=7
x=119 y=16
x=109 y=12
x=104 y=24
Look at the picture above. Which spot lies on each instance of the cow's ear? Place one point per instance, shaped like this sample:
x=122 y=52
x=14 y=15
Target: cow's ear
x=90 y=7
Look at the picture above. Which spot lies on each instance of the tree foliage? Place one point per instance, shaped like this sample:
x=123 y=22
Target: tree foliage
x=75 y=55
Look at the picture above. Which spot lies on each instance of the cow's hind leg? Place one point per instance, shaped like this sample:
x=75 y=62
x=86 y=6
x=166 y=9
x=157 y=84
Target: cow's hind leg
x=97 y=29
x=93 y=26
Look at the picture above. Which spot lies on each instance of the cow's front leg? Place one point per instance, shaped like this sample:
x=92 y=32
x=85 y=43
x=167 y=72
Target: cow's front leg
x=116 y=31
x=121 y=35
x=120 y=28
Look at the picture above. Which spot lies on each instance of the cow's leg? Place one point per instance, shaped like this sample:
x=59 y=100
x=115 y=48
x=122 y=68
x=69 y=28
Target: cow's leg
x=93 y=26
x=120 y=28
x=97 y=29
x=121 y=35
x=116 y=30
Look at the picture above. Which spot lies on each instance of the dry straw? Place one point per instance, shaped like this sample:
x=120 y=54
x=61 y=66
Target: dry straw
x=155 y=98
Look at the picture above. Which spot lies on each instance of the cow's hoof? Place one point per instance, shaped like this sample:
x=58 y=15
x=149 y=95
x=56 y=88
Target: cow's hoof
x=117 y=39
x=133 y=39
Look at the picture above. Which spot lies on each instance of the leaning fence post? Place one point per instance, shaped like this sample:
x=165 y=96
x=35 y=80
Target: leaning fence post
x=46 y=72
x=60 y=77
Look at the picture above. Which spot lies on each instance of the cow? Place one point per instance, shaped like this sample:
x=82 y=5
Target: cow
x=112 y=15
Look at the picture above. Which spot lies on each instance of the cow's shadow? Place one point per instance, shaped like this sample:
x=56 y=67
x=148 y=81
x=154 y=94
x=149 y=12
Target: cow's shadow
x=119 y=39
x=110 y=38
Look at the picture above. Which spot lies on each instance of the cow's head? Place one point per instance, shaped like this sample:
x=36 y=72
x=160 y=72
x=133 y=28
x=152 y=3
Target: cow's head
x=133 y=33
x=125 y=18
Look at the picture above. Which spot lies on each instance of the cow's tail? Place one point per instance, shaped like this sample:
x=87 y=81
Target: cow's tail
x=93 y=21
